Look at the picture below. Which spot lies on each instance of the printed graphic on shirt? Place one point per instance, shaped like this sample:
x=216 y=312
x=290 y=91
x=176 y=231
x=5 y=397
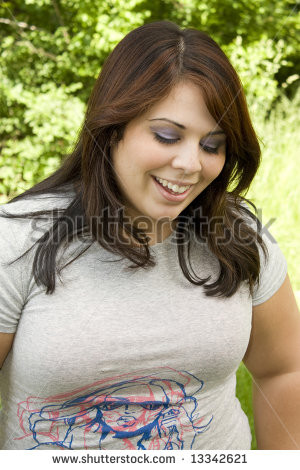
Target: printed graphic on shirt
x=140 y=410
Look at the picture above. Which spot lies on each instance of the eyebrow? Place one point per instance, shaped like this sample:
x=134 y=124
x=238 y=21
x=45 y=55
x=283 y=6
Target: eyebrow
x=183 y=127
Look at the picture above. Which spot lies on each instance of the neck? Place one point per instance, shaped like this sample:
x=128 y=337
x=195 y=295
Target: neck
x=160 y=232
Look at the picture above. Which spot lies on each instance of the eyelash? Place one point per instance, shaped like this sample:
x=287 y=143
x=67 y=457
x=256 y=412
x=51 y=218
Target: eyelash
x=162 y=140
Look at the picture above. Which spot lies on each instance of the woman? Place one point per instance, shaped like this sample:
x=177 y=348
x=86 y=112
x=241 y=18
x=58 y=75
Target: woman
x=166 y=151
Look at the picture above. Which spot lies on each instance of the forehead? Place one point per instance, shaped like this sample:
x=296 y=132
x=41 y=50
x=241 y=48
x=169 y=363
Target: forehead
x=185 y=104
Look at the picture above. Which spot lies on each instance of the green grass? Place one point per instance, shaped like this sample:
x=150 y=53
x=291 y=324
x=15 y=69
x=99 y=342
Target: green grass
x=244 y=394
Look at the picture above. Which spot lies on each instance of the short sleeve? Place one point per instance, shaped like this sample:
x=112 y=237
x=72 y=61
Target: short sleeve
x=273 y=270
x=273 y=267
x=11 y=276
x=17 y=235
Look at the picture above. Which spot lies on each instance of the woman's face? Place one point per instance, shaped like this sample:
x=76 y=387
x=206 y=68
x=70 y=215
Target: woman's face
x=185 y=152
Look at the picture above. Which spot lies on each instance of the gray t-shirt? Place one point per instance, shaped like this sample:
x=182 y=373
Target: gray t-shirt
x=119 y=358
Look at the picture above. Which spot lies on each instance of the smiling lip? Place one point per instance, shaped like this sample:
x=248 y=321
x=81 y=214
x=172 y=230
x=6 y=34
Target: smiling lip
x=169 y=196
x=179 y=183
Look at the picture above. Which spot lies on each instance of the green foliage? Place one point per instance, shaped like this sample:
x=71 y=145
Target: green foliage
x=247 y=18
x=42 y=129
x=257 y=64
x=244 y=394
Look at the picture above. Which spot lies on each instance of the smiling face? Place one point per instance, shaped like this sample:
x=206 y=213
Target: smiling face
x=154 y=146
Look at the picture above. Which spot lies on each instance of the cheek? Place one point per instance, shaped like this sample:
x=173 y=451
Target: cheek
x=153 y=160
x=214 y=167
x=148 y=156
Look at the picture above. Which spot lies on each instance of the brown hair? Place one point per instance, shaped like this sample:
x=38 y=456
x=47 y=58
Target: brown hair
x=141 y=70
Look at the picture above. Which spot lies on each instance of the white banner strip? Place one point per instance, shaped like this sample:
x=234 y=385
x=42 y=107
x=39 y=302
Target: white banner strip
x=151 y=459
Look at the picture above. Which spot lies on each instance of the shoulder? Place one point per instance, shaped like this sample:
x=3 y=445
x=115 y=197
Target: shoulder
x=36 y=202
x=273 y=263
x=21 y=225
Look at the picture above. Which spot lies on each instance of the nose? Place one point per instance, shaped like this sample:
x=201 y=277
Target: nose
x=188 y=159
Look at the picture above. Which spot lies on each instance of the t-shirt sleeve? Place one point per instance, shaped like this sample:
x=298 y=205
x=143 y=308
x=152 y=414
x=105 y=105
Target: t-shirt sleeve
x=273 y=268
x=17 y=235
x=12 y=296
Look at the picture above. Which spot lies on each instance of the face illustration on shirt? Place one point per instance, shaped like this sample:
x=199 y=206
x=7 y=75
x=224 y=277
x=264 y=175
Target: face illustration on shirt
x=131 y=413
x=152 y=146
x=137 y=410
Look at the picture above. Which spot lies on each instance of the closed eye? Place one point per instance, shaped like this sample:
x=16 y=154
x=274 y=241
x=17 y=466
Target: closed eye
x=163 y=140
x=209 y=149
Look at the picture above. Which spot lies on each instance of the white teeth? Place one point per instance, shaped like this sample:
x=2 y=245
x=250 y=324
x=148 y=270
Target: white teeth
x=174 y=187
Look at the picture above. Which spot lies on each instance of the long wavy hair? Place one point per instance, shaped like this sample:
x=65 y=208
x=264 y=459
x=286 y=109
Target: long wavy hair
x=142 y=70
